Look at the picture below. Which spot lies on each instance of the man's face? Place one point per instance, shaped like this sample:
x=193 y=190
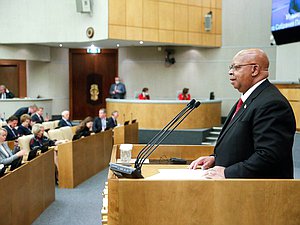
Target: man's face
x=67 y=115
x=240 y=73
x=2 y=89
x=117 y=80
x=102 y=114
x=40 y=112
x=13 y=123
x=32 y=109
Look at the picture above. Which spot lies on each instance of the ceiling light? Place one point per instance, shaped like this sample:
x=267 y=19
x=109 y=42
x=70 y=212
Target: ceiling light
x=141 y=42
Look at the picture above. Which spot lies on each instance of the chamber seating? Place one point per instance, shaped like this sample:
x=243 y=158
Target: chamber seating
x=24 y=144
x=56 y=134
x=67 y=133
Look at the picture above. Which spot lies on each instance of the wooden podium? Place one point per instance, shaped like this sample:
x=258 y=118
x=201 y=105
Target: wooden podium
x=128 y=134
x=193 y=202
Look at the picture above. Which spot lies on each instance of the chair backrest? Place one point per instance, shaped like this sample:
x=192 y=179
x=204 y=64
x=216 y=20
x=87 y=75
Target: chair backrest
x=48 y=125
x=56 y=134
x=24 y=143
x=55 y=123
x=67 y=132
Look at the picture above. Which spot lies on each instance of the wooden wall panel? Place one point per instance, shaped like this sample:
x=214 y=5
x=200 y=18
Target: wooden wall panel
x=180 y=18
x=117 y=32
x=150 y=34
x=117 y=13
x=166 y=16
x=134 y=33
x=165 y=21
x=194 y=19
x=134 y=13
x=150 y=14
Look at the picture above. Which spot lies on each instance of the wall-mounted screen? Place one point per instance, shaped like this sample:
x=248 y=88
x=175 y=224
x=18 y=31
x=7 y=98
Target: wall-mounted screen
x=286 y=21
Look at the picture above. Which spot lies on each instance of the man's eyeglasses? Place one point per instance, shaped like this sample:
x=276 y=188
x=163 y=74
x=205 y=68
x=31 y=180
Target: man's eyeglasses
x=236 y=67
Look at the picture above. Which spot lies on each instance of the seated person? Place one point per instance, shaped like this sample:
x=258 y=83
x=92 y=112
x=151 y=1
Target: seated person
x=24 y=128
x=12 y=133
x=65 y=122
x=184 y=95
x=112 y=121
x=84 y=129
x=38 y=116
x=144 y=95
x=5 y=93
x=100 y=123
x=7 y=156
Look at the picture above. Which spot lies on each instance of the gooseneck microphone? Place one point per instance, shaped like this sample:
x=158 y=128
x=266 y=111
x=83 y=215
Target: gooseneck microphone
x=152 y=145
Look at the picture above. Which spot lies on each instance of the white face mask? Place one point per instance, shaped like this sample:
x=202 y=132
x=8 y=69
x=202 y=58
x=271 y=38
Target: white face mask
x=117 y=82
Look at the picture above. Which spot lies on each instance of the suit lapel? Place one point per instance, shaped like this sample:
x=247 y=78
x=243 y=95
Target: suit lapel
x=229 y=123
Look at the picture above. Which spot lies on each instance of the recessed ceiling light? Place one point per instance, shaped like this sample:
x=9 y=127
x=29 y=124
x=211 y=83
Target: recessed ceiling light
x=60 y=45
x=118 y=45
x=141 y=42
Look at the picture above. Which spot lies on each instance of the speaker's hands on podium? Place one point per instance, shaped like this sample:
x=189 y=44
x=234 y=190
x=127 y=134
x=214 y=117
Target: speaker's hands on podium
x=217 y=172
x=205 y=161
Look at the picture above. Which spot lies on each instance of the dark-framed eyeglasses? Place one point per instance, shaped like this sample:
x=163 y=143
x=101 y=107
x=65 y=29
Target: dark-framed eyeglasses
x=237 y=66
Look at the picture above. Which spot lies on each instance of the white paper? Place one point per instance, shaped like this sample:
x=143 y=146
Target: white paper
x=178 y=174
x=132 y=161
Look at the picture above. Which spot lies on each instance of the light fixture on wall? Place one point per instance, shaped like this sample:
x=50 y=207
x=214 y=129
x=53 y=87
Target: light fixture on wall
x=207 y=21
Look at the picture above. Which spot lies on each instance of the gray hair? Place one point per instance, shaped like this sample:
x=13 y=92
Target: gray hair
x=2 y=130
x=36 y=128
x=65 y=112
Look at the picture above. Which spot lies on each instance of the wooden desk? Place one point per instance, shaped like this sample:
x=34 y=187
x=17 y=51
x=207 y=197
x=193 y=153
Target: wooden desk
x=191 y=202
x=126 y=134
x=155 y=114
x=27 y=191
x=79 y=160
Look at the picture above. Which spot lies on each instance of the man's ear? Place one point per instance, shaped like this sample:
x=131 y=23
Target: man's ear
x=255 y=70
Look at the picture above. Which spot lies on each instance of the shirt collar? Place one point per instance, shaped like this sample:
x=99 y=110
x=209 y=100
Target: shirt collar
x=245 y=96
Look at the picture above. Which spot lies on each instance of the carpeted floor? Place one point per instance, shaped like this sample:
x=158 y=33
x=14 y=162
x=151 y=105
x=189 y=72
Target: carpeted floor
x=82 y=205
x=79 y=206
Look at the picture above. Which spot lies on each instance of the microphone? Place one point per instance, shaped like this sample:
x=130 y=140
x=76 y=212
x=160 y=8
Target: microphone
x=156 y=138
x=152 y=145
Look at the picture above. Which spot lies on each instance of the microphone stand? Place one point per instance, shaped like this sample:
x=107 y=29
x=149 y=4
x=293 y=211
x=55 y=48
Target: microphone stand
x=152 y=145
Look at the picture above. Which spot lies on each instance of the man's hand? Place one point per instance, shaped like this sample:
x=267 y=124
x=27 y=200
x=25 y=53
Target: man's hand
x=216 y=172
x=205 y=161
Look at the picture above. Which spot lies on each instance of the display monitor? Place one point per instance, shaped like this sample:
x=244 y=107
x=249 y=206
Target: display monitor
x=285 y=24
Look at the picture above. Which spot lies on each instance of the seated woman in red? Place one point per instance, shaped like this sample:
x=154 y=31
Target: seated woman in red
x=184 y=95
x=144 y=95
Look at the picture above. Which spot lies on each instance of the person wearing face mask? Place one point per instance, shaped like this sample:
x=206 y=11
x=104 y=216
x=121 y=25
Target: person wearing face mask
x=144 y=95
x=117 y=90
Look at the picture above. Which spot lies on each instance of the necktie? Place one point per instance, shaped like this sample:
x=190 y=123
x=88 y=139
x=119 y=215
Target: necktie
x=238 y=106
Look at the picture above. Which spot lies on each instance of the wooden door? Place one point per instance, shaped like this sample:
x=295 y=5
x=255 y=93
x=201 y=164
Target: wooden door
x=90 y=78
x=13 y=76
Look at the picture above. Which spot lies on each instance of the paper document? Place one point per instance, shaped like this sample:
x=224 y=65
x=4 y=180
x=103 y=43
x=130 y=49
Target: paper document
x=178 y=174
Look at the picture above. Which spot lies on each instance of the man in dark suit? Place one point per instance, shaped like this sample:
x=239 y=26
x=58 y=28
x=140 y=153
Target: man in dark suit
x=112 y=121
x=5 y=93
x=38 y=116
x=65 y=122
x=12 y=133
x=257 y=138
x=25 y=110
x=100 y=123
x=117 y=90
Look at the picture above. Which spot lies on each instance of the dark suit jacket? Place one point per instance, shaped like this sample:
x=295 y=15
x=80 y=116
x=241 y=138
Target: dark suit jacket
x=11 y=134
x=63 y=123
x=121 y=87
x=23 y=131
x=20 y=112
x=111 y=123
x=37 y=119
x=258 y=142
x=97 y=125
x=8 y=95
